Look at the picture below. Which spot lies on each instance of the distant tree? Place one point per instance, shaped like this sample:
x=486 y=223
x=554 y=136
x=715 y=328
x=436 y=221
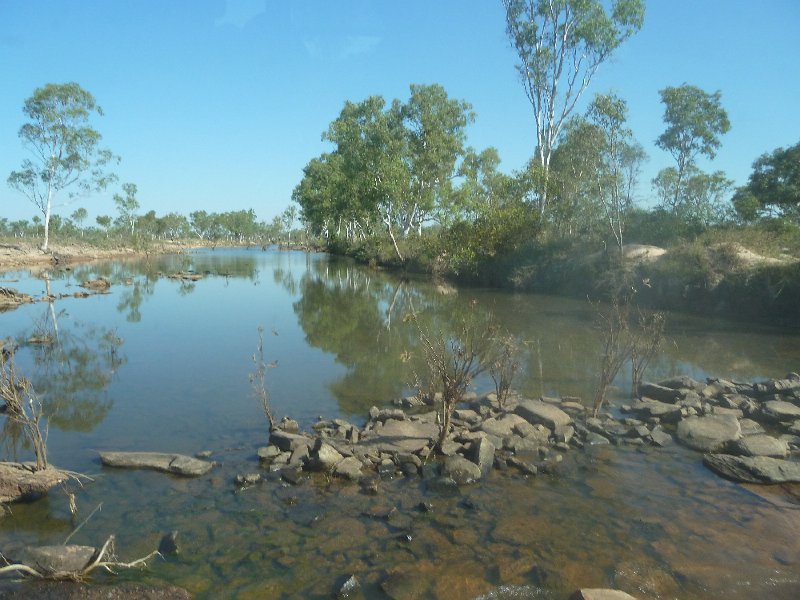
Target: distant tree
x=127 y=206
x=288 y=217
x=64 y=147
x=79 y=216
x=695 y=121
x=560 y=45
x=104 y=221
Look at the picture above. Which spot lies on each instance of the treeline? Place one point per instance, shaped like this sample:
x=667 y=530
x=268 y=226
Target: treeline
x=400 y=184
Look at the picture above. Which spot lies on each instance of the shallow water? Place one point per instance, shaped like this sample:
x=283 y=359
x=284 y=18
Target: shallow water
x=159 y=364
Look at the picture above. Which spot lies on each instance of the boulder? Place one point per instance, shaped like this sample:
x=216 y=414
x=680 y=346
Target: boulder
x=349 y=468
x=780 y=411
x=323 y=457
x=19 y=481
x=753 y=469
x=759 y=445
x=287 y=441
x=482 y=454
x=660 y=437
x=710 y=433
x=503 y=426
x=57 y=559
x=177 y=464
x=401 y=436
x=647 y=407
x=682 y=382
x=660 y=392
x=461 y=470
x=538 y=412
x=600 y=594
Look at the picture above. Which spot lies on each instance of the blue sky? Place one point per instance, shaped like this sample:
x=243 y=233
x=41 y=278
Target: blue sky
x=218 y=105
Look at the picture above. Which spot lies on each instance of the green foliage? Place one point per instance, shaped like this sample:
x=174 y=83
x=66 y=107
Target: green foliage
x=773 y=187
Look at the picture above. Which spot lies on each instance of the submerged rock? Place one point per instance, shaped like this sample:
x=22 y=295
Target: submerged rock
x=177 y=464
x=753 y=469
x=49 y=560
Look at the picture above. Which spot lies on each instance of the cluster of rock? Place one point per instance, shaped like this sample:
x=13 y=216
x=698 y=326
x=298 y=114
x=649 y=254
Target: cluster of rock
x=523 y=434
x=746 y=430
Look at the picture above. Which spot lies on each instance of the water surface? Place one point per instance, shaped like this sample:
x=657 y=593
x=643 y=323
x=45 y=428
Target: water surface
x=163 y=365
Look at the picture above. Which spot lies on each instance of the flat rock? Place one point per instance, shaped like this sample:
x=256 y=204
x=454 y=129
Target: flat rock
x=536 y=411
x=710 y=433
x=660 y=392
x=19 y=481
x=503 y=426
x=323 y=457
x=57 y=559
x=759 y=445
x=682 y=382
x=753 y=469
x=600 y=594
x=401 y=436
x=287 y=441
x=177 y=464
x=349 y=468
x=779 y=410
x=647 y=407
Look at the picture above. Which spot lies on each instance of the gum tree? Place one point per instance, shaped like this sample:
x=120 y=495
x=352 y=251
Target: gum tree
x=64 y=147
x=560 y=45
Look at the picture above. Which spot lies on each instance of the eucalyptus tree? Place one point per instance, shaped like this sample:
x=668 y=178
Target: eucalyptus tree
x=620 y=161
x=560 y=45
x=64 y=145
x=104 y=221
x=695 y=120
x=79 y=216
x=127 y=206
x=773 y=186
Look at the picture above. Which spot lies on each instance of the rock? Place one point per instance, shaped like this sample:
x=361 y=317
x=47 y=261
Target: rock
x=780 y=411
x=660 y=437
x=759 y=445
x=177 y=464
x=504 y=426
x=660 y=393
x=349 y=468
x=323 y=457
x=350 y=590
x=482 y=454
x=287 y=441
x=289 y=425
x=709 y=434
x=595 y=439
x=293 y=475
x=564 y=434
x=753 y=469
x=646 y=407
x=461 y=470
x=168 y=546
x=99 y=284
x=524 y=466
x=247 y=479
x=268 y=453
x=20 y=481
x=536 y=411
x=794 y=428
x=750 y=427
x=203 y=454
x=387 y=414
x=682 y=382
x=57 y=559
x=401 y=436
x=600 y=594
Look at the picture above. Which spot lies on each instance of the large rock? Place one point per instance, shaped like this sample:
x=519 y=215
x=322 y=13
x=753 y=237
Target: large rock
x=287 y=441
x=349 y=468
x=660 y=392
x=401 y=436
x=647 y=407
x=753 y=469
x=536 y=411
x=779 y=410
x=323 y=457
x=682 y=382
x=461 y=470
x=482 y=454
x=760 y=445
x=709 y=434
x=19 y=481
x=600 y=594
x=503 y=426
x=49 y=560
x=177 y=464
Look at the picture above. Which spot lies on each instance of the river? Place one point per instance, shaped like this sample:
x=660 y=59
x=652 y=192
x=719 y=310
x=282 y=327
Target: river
x=161 y=364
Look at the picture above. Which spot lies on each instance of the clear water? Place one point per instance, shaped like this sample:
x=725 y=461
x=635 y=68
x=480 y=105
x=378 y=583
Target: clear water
x=163 y=365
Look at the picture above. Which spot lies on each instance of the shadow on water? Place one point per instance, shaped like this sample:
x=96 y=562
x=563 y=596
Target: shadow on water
x=652 y=522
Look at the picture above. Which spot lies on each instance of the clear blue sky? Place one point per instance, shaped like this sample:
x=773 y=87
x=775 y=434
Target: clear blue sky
x=218 y=104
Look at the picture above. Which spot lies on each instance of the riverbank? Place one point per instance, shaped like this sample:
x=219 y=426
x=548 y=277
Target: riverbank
x=23 y=255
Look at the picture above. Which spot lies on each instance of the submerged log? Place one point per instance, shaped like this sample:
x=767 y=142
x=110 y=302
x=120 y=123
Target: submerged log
x=177 y=464
x=20 y=481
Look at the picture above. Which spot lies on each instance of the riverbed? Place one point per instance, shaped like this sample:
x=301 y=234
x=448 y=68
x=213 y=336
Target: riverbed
x=164 y=364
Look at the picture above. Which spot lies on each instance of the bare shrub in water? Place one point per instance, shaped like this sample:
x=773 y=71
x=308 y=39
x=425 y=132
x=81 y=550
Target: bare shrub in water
x=504 y=367
x=452 y=362
x=645 y=345
x=23 y=407
x=258 y=379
